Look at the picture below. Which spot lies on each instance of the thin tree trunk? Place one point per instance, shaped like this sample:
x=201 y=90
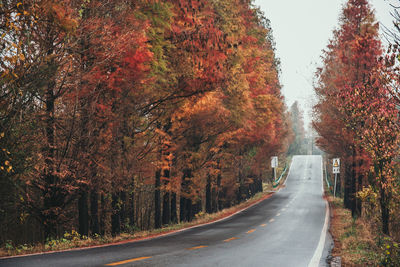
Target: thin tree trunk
x=208 y=196
x=347 y=186
x=49 y=194
x=174 y=215
x=182 y=209
x=166 y=212
x=123 y=211
x=132 y=210
x=384 y=212
x=157 y=203
x=115 y=216
x=103 y=215
x=94 y=212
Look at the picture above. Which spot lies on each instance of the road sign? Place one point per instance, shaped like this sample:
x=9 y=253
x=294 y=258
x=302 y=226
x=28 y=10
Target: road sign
x=336 y=162
x=274 y=162
x=336 y=165
x=336 y=170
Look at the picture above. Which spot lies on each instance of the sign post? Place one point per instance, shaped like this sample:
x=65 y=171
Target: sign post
x=274 y=165
x=336 y=170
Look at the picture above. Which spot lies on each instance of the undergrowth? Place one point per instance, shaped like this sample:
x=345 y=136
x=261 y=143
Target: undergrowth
x=72 y=239
x=357 y=243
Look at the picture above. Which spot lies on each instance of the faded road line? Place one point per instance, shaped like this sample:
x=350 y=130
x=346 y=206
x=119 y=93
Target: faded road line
x=230 y=239
x=251 y=231
x=193 y=248
x=272 y=220
x=263 y=225
x=127 y=261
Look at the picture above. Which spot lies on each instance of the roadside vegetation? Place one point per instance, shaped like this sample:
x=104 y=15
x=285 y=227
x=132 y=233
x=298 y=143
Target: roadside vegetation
x=356 y=241
x=73 y=239
x=357 y=120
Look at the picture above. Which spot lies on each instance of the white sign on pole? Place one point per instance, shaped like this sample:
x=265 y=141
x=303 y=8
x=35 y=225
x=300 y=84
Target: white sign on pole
x=336 y=170
x=274 y=162
x=336 y=165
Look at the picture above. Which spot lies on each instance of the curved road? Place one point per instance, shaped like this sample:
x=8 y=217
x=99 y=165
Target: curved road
x=287 y=229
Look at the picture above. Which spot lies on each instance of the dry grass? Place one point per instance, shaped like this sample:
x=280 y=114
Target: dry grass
x=354 y=239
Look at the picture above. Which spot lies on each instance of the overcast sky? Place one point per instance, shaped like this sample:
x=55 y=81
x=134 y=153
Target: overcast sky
x=301 y=30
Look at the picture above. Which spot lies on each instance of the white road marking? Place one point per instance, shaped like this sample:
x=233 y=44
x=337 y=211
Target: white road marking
x=320 y=248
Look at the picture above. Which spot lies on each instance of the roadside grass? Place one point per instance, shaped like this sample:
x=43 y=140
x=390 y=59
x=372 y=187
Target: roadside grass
x=354 y=239
x=72 y=240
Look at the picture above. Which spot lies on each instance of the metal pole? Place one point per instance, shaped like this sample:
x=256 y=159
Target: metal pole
x=275 y=174
x=334 y=188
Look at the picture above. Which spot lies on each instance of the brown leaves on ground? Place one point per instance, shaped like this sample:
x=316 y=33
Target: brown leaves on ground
x=354 y=239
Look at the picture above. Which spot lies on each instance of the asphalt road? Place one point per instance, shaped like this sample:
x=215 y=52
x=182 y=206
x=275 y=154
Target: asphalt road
x=287 y=229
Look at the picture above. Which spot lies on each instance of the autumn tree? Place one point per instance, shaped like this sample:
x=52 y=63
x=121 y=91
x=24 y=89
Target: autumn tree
x=143 y=108
x=296 y=117
x=353 y=88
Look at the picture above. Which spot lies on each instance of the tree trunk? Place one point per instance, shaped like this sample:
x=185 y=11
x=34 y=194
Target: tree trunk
x=214 y=200
x=123 y=211
x=384 y=201
x=83 y=213
x=219 y=193
x=359 y=188
x=166 y=212
x=157 y=207
x=115 y=216
x=132 y=210
x=208 y=196
x=174 y=215
x=103 y=215
x=385 y=212
x=94 y=212
x=353 y=190
x=347 y=186
x=50 y=202
x=182 y=209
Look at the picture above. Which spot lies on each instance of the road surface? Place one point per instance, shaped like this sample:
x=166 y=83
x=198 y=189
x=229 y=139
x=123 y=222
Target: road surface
x=287 y=229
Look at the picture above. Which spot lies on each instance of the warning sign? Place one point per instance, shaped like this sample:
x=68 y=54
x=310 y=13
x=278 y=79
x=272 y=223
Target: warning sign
x=336 y=165
x=336 y=162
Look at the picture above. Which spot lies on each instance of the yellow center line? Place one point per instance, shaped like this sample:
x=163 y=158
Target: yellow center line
x=230 y=239
x=271 y=220
x=127 y=261
x=263 y=225
x=193 y=248
x=250 y=231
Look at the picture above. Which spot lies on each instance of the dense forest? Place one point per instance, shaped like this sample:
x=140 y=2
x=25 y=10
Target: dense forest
x=357 y=118
x=118 y=116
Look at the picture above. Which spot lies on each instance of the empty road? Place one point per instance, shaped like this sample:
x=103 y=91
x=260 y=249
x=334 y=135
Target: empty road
x=287 y=229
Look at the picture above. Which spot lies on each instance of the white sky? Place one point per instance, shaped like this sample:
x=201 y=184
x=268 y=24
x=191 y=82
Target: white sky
x=301 y=30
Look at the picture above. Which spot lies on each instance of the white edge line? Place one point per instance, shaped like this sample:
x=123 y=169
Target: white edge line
x=320 y=248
